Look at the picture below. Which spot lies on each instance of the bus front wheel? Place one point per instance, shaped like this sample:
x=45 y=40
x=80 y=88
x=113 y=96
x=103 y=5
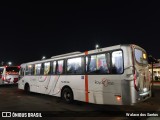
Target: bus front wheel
x=67 y=95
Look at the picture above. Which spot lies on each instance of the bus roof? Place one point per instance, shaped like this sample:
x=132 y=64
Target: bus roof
x=67 y=54
x=77 y=53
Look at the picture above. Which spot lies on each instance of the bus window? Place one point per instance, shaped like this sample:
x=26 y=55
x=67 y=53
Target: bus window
x=74 y=66
x=141 y=57
x=26 y=71
x=54 y=64
x=117 y=62
x=30 y=70
x=21 y=72
x=108 y=61
x=37 y=69
x=46 y=68
x=91 y=63
x=97 y=64
x=102 y=64
x=60 y=67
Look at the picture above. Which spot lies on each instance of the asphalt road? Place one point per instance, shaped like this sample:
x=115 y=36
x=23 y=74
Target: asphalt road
x=14 y=100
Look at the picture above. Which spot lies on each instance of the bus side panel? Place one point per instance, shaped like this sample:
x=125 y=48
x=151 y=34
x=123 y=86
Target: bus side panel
x=31 y=80
x=22 y=82
x=126 y=92
x=104 y=88
x=55 y=85
x=43 y=84
x=58 y=82
x=127 y=82
x=77 y=84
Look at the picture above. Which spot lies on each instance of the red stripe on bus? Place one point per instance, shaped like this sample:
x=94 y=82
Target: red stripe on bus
x=86 y=52
x=86 y=88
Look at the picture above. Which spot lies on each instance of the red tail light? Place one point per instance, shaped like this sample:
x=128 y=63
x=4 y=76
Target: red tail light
x=15 y=80
x=3 y=78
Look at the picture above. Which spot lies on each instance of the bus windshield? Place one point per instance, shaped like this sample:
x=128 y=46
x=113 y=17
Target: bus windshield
x=12 y=70
x=141 y=57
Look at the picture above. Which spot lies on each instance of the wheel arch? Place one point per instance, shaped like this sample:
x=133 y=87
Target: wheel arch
x=66 y=86
x=26 y=86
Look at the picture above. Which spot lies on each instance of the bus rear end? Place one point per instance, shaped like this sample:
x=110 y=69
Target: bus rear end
x=10 y=74
x=141 y=76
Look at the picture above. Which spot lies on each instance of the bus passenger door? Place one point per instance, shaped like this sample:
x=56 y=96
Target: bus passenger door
x=43 y=83
x=44 y=78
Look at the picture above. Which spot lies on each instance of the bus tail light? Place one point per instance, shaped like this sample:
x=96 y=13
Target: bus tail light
x=3 y=78
x=118 y=97
x=15 y=80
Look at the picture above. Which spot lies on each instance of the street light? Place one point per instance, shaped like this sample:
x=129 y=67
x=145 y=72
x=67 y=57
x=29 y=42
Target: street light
x=97 y=46
x=9 y=63
x=43 y=57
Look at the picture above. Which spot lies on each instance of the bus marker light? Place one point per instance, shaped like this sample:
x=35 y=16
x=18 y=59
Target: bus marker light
x=118 y=97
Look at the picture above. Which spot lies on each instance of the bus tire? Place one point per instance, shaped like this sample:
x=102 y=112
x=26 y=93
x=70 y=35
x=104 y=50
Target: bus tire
x=67 y=95
x=27 y=88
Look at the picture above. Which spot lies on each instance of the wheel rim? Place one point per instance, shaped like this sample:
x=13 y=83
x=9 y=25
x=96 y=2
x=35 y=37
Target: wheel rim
x=67 y=96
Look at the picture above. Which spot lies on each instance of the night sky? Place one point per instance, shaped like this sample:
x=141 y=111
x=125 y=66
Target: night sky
x=29 y=31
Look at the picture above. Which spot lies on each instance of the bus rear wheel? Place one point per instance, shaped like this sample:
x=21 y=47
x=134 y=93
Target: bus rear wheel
x=67 y=95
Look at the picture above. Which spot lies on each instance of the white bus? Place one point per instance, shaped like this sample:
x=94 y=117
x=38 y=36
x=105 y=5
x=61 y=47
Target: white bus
x=9 y=74
x=116 y=75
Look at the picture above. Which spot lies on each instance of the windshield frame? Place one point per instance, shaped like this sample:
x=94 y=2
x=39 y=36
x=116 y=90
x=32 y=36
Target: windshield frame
x=142 y=61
